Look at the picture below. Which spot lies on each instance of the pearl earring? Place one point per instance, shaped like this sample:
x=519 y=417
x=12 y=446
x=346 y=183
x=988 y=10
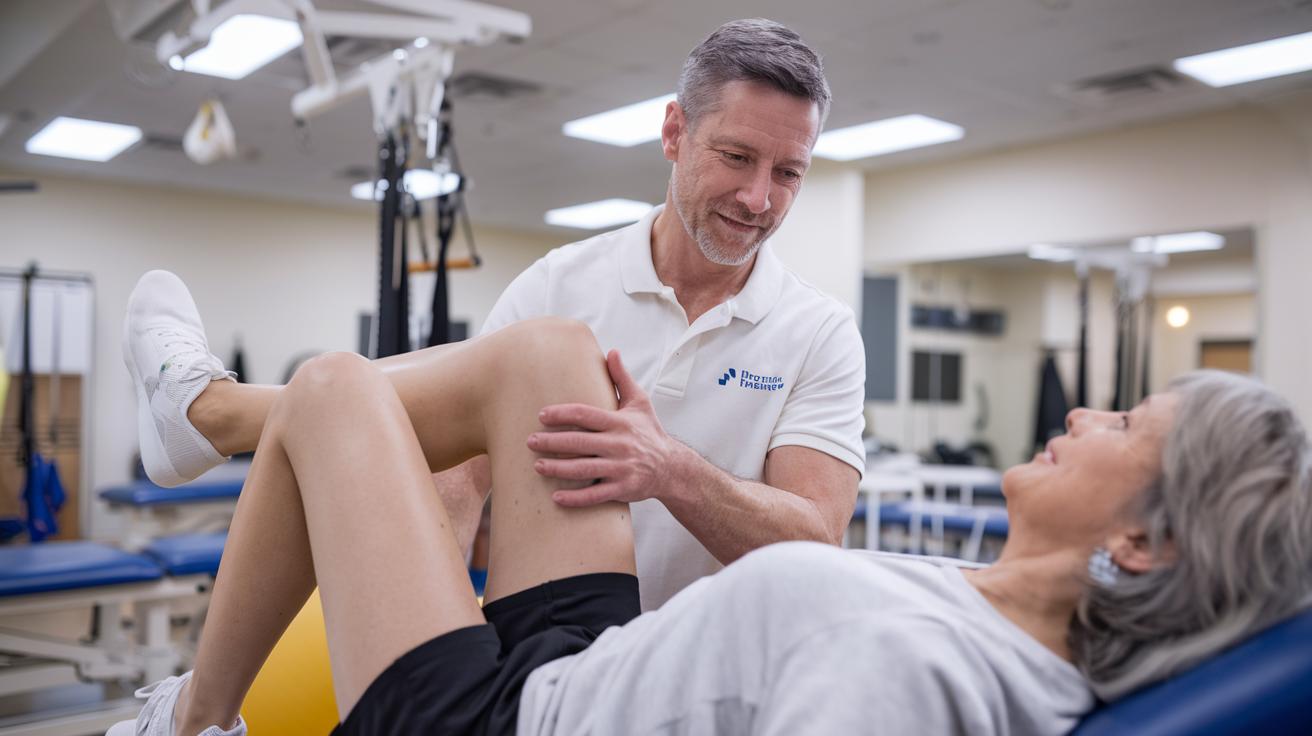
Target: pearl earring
x=1101 y=567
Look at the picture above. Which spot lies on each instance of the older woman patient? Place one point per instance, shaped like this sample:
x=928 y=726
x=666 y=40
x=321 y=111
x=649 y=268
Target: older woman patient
x=1141 y=542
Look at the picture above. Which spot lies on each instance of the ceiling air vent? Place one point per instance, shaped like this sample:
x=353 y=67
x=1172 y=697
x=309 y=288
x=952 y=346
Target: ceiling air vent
x=144 y=21
x=480 y=85
x=1111 y=89
x=162 y=142
x=349 y=52
x=355 y=173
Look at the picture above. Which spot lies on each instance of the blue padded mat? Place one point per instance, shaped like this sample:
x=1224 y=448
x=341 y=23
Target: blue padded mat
x=188 y=554
x=1263 y=686
x=897 y=514
x=145 y=493
x=41 y=568
x=10 y=528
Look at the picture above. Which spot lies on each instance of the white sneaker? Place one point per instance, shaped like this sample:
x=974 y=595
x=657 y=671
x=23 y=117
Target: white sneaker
x=156 y=717
x=170 y=362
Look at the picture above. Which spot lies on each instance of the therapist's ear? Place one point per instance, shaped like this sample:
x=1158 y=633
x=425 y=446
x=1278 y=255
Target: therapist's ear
x=673 y=130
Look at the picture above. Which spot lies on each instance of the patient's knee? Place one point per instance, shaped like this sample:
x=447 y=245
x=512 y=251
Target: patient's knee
x=552 y=340
x=332 y=378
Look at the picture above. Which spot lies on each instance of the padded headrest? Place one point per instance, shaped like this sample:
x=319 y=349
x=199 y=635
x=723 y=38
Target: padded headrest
x=1263 y=686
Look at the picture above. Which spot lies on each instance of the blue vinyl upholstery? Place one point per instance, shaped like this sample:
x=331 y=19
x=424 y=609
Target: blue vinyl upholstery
x=1263 y=686
x=145 y=493
x=899 y=514
x=41 y=568
x=188 y=554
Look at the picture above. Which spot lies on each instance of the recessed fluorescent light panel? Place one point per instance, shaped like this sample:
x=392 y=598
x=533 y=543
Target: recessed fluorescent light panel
x=597 y=215
x=885 y=136
x=1274 y=58
x=1053 y=253
x=242 y=44
x=1177 y=243
x=88 y=140
x=624 y=126
x=420 y=183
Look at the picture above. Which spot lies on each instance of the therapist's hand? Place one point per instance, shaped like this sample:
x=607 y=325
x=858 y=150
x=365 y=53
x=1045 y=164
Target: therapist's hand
x=625 y=451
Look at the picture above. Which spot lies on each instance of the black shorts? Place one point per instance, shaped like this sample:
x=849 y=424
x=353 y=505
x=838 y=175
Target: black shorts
x=468 y=681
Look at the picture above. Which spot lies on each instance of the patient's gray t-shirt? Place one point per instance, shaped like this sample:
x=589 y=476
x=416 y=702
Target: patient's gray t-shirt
x=803 y=638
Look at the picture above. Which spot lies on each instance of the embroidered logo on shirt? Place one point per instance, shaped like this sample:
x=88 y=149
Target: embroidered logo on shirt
x=756 y=382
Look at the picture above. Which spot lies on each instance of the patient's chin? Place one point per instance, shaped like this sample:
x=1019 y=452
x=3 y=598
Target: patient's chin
x=1020 y=477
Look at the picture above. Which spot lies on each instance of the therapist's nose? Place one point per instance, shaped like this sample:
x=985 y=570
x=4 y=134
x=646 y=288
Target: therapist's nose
x=755 y=193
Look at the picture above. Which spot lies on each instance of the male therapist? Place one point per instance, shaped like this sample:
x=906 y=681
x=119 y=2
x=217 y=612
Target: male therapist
x=741 y=425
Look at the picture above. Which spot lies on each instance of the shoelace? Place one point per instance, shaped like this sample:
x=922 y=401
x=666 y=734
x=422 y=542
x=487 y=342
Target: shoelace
x=188 y=340
x=205 y=365
x=152 y=704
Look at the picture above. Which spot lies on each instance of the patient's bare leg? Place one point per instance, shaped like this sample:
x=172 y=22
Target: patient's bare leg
x=233 y=415
x=339 y=493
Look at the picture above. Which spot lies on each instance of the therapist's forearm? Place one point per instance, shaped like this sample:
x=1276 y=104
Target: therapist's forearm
x=731 y=516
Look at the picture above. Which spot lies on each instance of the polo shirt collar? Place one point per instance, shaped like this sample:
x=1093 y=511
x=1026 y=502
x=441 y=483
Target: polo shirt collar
x=761 y=292
x=638 y=273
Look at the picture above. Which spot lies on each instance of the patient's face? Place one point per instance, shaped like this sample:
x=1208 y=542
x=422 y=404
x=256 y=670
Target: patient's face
x=1075 y=492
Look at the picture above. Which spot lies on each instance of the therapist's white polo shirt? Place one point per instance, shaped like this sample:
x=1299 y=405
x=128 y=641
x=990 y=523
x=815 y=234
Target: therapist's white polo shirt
x=779 y=364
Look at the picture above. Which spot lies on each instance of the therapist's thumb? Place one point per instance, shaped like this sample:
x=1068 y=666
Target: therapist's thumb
x=629 y=389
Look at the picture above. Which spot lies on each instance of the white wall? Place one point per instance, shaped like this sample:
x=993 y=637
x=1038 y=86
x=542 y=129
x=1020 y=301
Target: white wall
x=1241 y=167
x=1177 y=350
x=821 y=239
x=288 y=277
x=1225 y=276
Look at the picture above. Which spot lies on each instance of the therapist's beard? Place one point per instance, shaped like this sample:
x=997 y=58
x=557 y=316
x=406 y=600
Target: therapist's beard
x=698 y=229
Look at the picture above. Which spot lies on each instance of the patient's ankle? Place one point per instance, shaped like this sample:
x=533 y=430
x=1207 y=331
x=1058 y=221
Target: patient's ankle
x=190 y=719
x=180 y=725
x=209 y=414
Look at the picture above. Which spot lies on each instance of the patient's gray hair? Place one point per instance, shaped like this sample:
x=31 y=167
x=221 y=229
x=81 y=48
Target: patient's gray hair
x=1235 y=502
x=752 y=50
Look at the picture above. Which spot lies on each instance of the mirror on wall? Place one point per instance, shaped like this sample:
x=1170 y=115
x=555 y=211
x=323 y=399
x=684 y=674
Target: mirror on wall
x=990 y=353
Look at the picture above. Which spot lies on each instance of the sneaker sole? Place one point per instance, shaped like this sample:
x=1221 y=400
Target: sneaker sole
x=156 y=461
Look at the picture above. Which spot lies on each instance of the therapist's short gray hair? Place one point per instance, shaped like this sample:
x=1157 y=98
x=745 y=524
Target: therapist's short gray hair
x=751 y=50
x=1234 y=506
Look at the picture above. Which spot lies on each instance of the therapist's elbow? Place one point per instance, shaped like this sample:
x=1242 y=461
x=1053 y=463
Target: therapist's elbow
x=827 y=525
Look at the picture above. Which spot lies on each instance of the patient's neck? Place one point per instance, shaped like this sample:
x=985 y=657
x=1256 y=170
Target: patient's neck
x=1038 y=593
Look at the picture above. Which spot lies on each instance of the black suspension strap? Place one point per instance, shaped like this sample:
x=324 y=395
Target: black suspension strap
x=450 y=207
x=393 y=326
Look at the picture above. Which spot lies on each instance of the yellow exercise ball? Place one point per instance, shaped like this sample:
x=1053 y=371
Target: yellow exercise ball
x=293 y=694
